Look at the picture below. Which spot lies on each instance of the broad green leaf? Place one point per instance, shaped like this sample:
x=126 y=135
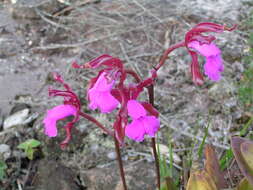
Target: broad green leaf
x=244 y=185
x=201 y=180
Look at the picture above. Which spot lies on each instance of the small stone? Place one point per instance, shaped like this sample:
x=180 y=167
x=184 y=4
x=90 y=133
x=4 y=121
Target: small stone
x=4 y=148
x=111 y=155
x=5 y=151
x=16 y=119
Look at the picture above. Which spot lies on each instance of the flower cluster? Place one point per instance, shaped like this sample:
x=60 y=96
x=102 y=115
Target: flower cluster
x=108 y=92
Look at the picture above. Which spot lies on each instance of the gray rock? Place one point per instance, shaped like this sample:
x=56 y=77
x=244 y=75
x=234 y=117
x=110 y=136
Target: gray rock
x=19 y=118
x=5 y=151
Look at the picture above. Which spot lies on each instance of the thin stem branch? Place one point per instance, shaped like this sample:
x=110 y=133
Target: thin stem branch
x=153 y=142
x=133 y=74
x=122 y=174
x=166 y=53
x=93 y=120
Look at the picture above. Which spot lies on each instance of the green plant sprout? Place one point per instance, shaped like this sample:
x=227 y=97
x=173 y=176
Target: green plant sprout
x=29 y=146
x=202 y=145
x=170 y=180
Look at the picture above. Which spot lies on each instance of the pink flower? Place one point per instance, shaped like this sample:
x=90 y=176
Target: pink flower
x=100 y=95
x=55 y=114
x=141 y=124
x=213 y=66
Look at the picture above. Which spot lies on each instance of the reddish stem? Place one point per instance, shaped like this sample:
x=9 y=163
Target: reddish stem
x=151 y=101
x=166 y=53
x=122 y=174
x=92 y=119
x=133 y=74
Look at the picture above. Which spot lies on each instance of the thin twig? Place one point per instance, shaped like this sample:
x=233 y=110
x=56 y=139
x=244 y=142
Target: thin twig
x=73 y=45
x=50 y=21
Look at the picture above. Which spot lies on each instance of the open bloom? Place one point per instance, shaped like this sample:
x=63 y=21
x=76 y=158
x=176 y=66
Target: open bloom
x=141 y=124
x=55 y=114
x=71 y=106
x=100 y=95
x=213 y=66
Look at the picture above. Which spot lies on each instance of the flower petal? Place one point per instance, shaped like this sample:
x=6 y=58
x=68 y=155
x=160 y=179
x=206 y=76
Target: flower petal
x=61 y=111
x=102 y=100
x=135 y=130
x=213 y=67
x=58 y=112
x=135 y=109
x=205 y=49
x=151 y=125
x=102 y=84
x=50 y=128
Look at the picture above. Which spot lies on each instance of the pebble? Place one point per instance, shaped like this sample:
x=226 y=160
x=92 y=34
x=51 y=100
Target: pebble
x=19 y=118
x=5 y=151
x=111 y=155
x=15 y=119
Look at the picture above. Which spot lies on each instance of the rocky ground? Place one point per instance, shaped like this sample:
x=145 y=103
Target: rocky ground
x=42 y=36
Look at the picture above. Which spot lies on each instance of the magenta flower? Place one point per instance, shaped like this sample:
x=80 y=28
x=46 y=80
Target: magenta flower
x=55 y=114
x=71 y=106
x=213 y=66
x=100 y=95
x=142 y=124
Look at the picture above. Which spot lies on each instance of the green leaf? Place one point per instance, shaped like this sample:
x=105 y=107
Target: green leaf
x=245 y=127
x=28 y=146
x=201 y=147
x=29 y=153
x=226 y=159
x=32 y=143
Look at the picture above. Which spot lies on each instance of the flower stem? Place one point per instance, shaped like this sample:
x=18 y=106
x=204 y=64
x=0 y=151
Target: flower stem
x=153 y=142
x=151 y=101
x=166 y=53
x=122 y=174
x=92 y=119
